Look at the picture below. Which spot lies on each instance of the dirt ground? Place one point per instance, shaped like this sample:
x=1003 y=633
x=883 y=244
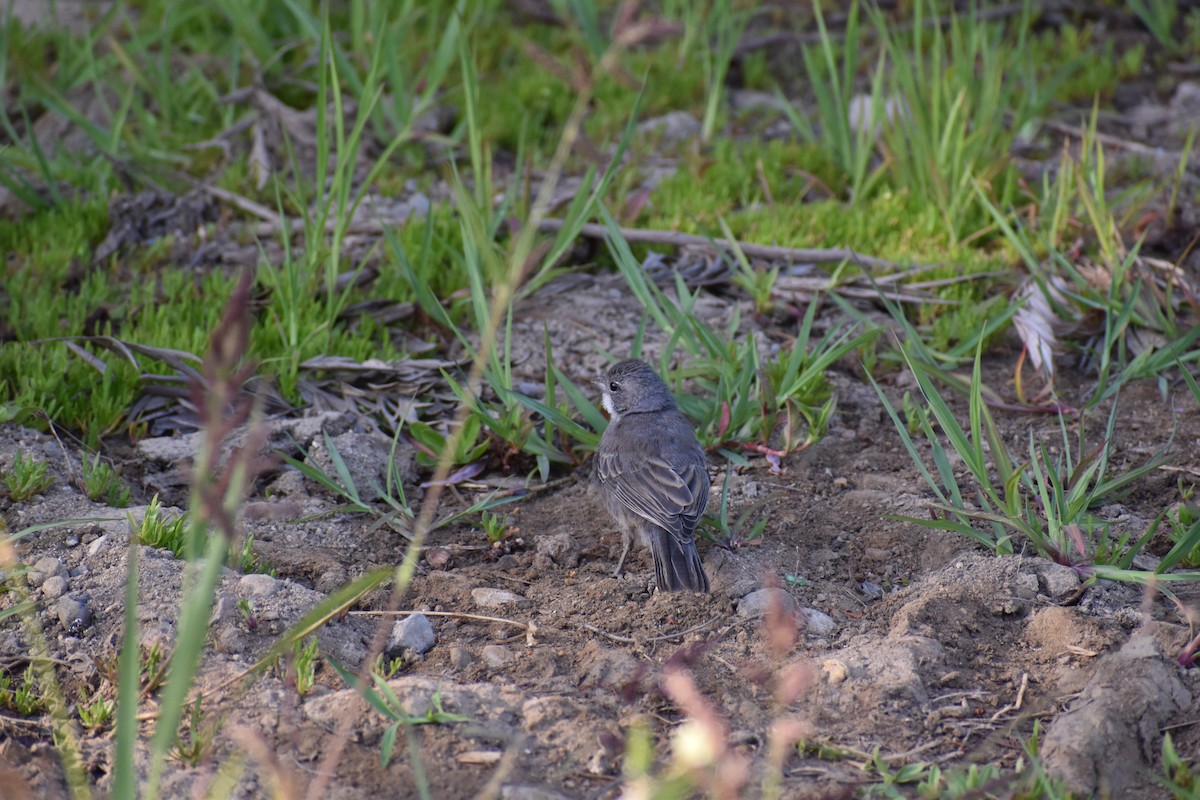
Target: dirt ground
x=908 y=640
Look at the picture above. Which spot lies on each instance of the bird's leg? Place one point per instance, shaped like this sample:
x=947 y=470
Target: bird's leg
x=626 y=541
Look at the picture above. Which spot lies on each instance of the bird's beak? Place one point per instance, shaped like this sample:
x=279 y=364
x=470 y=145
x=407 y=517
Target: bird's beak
x=599 y=380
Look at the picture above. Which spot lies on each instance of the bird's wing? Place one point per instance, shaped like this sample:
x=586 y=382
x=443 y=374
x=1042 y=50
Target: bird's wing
x=672 y=499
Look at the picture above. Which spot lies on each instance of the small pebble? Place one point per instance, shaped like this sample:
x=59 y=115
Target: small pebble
x=757 y=602
x=73 y=613
x=487 y=597
x=256 y=584
x=817 y=623
x=43 y=568
x=834 y=671
x=871 y=589
x=460 y=657
x=413 y=634
x=54 y=587
x=496 y=656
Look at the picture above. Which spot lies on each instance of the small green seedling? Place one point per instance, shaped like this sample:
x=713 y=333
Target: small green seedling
x=496 y=527
x=102 y=484
x=247 y=560
x=304 y=665
x=27 y=477
x=727 y=534
x=96 y=713
x=1184 y=520
x=430 y=442
x=247 y=612
x=916 y=416
x=24 y=699
x=196 y=736
x=161 y=530
x=385 y=668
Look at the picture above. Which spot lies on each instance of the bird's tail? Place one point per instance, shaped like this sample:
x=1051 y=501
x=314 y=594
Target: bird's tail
x=677 y=565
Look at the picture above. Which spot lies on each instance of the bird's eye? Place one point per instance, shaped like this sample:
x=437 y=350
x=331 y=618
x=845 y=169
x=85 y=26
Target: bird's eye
x=613 y=386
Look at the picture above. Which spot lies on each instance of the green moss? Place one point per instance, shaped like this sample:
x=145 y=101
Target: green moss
x=729 y=179
x=47 y=242
x=890 y=224
x=519 y=93
x=43 y=299
x=1077 y=64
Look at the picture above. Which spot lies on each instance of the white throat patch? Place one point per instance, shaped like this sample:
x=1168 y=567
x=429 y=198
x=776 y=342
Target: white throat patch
x=607 y=401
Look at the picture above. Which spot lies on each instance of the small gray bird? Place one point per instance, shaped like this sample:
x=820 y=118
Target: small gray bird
x=652 y=474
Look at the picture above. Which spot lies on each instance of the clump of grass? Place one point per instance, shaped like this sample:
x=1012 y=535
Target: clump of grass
x=496 y=528
x=23 y=699
x=1145 y=307
x=102 y=484
x=26 y=477
x=393 y=509
x=732 y=533
x=833 y=70
x=160 y=529
x=197 y=735
x=301 y=668
x=1075 y=64
x=96 y=713
x=1046 y=500
x=1161 y=18
x=247 y=560
x=954 y=130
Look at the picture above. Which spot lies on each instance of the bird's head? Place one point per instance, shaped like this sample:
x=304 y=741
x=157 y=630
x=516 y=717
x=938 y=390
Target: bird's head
x=632 y=387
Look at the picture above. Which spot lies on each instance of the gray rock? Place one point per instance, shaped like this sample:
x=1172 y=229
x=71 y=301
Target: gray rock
x=224 y=609
x=98 y=544
x=1106 y=740
x=757 y=602
x=487 y=597
x=169 y=449
x=1025 y=586
x=1057 y=580
x=460 y=657
x=54 y=587
x=366 y=458
x=73 y=612
x=258 y=585
x=730 y=574
x=497 y=656
x=561 y=548
x=817 y=623
x=45 y=567
x=414 y=634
